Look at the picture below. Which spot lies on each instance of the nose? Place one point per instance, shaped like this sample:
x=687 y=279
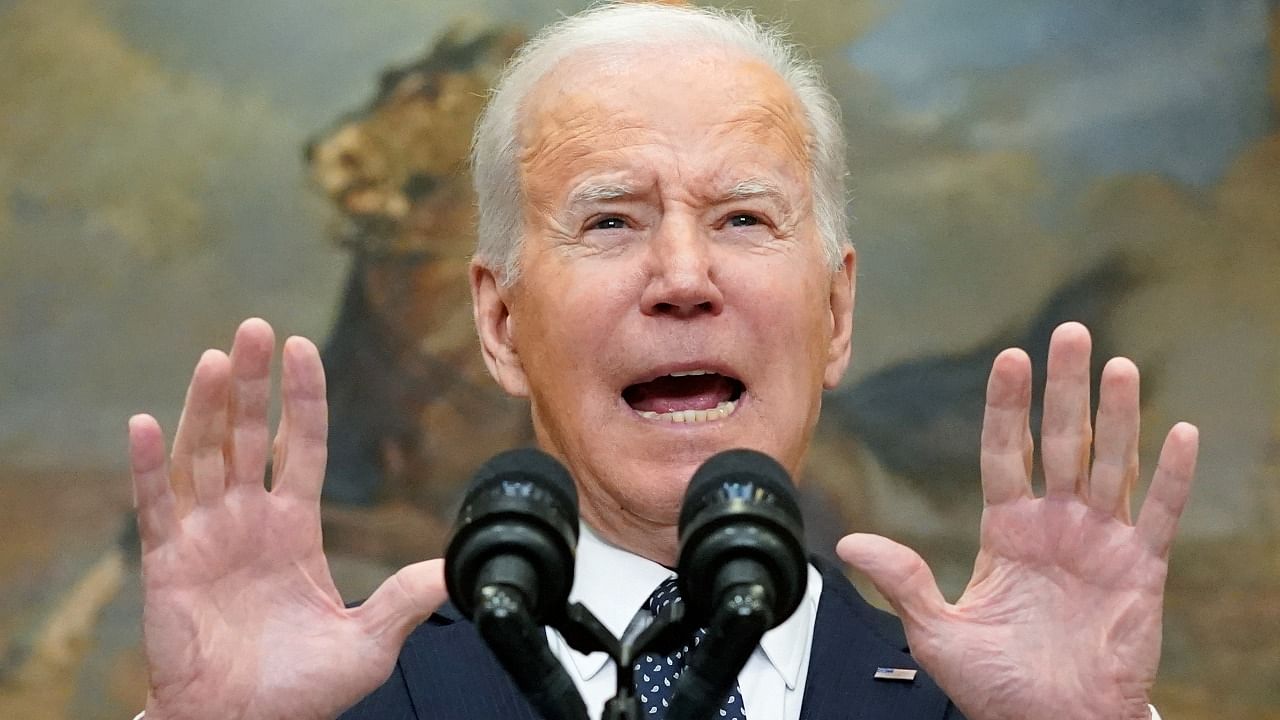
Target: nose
x=681 y=272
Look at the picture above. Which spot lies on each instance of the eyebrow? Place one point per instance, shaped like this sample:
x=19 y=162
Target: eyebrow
x=595 y=192
x=753 y=188
x=748 y=189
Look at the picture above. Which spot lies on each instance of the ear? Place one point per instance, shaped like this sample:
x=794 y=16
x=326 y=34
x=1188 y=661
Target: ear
x=490 y=305
x=839 y=351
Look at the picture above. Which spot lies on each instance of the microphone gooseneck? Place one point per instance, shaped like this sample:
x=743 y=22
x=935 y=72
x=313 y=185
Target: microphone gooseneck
x=509 y=567
x=742 y=569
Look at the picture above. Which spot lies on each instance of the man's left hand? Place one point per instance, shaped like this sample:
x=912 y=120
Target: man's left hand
x=1062 y=617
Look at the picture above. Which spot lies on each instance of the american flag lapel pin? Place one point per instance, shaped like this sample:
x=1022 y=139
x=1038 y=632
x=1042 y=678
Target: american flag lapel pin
x=900 y=674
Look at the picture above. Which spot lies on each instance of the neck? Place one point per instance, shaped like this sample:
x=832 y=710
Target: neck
x=656 y=541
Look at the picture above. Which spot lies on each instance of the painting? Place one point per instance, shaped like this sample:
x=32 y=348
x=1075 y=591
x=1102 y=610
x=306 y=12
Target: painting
x=167 y=169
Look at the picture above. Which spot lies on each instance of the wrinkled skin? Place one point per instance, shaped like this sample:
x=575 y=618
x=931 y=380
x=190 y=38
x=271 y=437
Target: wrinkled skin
x=1061 y=619
x=675 y=274
x=241 y=618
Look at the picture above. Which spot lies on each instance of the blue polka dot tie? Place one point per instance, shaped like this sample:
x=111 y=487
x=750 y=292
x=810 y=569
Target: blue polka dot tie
x=655 y=675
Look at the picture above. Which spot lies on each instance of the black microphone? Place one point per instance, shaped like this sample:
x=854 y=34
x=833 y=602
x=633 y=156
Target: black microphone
x=742 y=570
x=509 y=568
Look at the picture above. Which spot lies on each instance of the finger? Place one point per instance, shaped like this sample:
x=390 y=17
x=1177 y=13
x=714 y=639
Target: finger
x=304 y=428
x=152 y=497
x=404 y=601
x=197 y=468
x=1006 y=434
x=898 y=573
x=1170 y=487
x=249 y=439
x=1115 y=461
x=278 y=450
x=1065 y=433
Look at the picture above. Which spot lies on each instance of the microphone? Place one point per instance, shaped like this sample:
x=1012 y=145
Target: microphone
x=509 y=568
x=742 y=569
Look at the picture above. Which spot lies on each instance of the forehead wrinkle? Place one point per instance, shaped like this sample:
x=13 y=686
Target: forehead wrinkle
x=555 y=149
x=572 y=139
x=768 y=122
x=726 y=187
x=552 y=126
x=568 y=130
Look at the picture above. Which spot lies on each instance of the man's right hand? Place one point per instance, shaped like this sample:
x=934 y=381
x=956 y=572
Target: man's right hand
x=241 y=618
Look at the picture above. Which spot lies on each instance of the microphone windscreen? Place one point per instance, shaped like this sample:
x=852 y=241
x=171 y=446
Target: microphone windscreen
x=532 y=466
x=753 y=474
x=518 y=526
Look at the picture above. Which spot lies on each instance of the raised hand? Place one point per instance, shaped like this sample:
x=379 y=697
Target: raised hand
x=241 y=618
x=1062 y=617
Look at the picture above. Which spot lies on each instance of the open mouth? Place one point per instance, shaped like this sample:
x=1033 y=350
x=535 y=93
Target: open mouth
x=691 y=396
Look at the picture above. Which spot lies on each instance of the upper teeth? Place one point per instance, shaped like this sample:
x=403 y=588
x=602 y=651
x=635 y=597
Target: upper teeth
x=686 y=373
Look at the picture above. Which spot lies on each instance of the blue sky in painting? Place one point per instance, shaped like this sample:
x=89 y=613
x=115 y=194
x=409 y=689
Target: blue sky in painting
x=1177 y=86
x=1093 y=88
x=313 y=58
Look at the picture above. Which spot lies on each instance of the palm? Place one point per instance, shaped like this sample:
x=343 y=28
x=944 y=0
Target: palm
x=218 y=589
x=241 y=617
x=1062 y=617
x=1059 y=607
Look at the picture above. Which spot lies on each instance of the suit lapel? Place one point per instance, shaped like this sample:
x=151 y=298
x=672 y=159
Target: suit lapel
x=454 y=675
x=851 y=640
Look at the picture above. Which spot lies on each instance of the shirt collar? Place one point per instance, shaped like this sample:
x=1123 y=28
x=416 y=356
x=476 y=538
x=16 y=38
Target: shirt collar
x=614 y=584
x=787 y=645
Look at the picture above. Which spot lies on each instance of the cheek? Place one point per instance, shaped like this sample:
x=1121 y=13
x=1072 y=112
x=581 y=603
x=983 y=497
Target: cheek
x=570 y=327
x=788 y=311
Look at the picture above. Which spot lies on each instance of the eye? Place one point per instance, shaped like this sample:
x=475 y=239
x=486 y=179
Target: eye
x=612 y=222
x=743 y=220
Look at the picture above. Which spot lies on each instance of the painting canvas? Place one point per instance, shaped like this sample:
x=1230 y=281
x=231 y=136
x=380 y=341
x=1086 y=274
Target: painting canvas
x=167 y=169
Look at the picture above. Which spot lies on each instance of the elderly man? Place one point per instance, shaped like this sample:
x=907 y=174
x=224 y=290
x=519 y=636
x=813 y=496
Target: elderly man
x=664 y=273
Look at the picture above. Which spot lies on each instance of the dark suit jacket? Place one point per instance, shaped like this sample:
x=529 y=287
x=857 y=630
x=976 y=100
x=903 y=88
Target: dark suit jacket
x=445 y=671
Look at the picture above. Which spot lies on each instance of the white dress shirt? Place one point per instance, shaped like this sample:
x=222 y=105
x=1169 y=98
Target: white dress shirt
x=614 y=584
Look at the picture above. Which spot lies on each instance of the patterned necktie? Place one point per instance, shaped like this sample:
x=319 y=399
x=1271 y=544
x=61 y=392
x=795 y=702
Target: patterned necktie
x=655 y=675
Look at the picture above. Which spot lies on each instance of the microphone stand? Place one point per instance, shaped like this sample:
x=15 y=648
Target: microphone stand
x=504 y=622
x=661 y=633
x=736 y=627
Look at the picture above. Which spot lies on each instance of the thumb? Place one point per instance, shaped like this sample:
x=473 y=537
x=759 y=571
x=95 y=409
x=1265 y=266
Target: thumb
x=900 y=574
x=403 y=601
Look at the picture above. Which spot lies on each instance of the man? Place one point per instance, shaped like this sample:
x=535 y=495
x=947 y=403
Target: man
x=663 y=272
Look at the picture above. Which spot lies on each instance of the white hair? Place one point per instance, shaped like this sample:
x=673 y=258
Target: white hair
x=495 y=147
